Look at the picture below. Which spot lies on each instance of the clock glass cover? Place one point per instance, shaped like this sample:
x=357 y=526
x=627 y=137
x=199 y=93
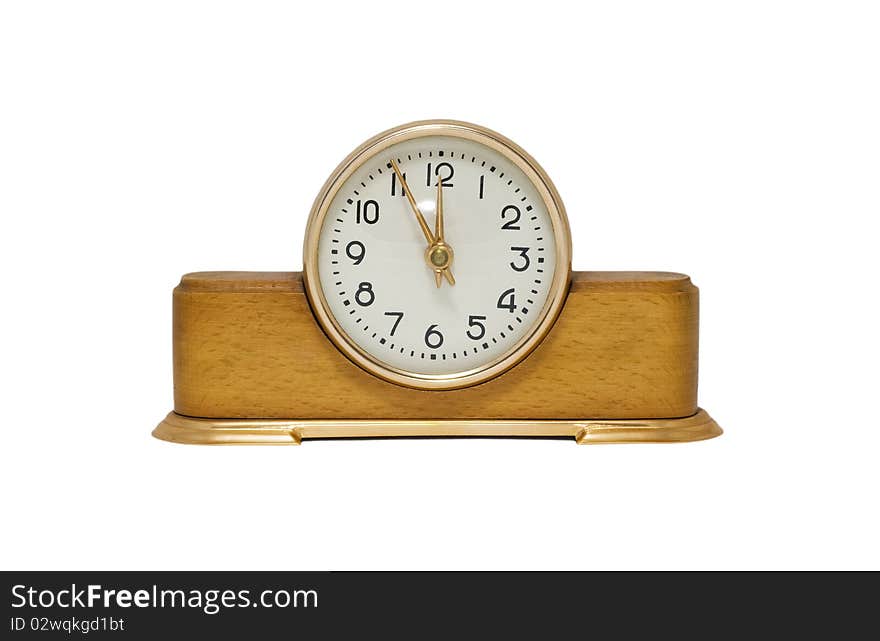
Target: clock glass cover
x=437 y=255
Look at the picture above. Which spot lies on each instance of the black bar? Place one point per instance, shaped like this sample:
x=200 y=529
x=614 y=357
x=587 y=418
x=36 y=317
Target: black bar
x=542 y=605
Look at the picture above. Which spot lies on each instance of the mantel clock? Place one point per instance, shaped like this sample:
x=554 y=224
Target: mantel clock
x=436 y=299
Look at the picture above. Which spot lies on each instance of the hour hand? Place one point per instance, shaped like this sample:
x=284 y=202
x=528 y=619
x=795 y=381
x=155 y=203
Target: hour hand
x=440 y=255
x=438 y=221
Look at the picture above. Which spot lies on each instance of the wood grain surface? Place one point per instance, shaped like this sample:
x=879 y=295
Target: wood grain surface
x=246 y=345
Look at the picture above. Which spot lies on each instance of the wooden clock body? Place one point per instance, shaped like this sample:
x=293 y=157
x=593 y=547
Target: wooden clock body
x=251 y=365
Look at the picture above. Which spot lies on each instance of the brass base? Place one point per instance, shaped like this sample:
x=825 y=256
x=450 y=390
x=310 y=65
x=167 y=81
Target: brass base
x=209 y=431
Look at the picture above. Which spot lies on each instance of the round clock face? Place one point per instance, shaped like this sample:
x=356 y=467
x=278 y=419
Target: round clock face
x=437 y=255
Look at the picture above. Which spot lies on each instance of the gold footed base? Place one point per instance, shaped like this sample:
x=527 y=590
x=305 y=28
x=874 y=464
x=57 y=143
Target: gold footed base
x=210 y=431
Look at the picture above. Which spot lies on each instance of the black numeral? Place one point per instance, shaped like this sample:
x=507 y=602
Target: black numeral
x=444 y=170
x=433 y=337
x=509 y=305
x=369 y=212
x=475 y=321
x=364 y=295
x=394 y=185
x=396 y=323
x=510 y=210
x=524 y=254
x=356 y=251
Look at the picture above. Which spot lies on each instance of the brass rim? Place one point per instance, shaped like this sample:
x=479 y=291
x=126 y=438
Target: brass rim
x=558 y=288
x=242 y=431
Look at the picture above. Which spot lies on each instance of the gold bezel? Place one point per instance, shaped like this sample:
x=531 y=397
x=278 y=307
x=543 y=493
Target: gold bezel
x=558 y=288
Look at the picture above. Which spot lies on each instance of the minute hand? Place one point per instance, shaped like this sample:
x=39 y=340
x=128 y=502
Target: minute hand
x=412 y=203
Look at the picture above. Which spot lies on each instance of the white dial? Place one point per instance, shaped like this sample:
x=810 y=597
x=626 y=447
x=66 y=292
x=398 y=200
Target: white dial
x=428 y=303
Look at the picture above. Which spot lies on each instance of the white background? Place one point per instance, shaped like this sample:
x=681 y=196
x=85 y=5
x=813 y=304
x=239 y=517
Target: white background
x=738 y=142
